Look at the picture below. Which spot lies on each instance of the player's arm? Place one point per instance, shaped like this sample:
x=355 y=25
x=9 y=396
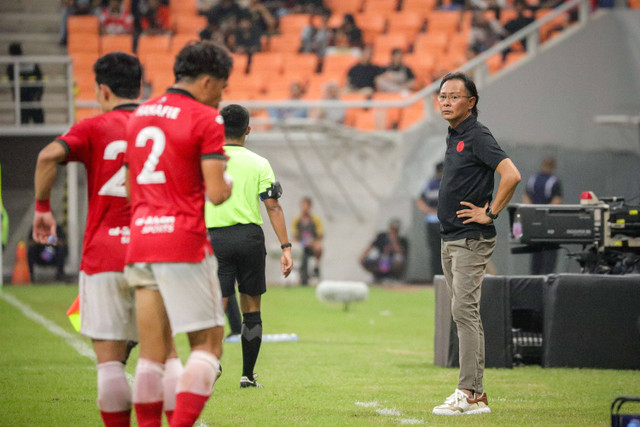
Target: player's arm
x=276 y=216
x=44 y=224
x=217 y=188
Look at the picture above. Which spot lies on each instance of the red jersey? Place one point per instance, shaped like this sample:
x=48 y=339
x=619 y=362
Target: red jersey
x=167 y=138
x=100 y=144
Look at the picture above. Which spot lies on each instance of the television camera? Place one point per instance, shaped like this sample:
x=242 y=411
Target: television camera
x=608 y=230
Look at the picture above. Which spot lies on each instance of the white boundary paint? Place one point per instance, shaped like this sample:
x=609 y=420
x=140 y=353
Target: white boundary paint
x=389 y=412
x=76 y=343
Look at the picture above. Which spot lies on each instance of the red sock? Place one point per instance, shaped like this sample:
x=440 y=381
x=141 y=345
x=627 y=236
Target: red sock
x=116 y=419
x=149 y=414
x=169 y=414
x=188 y=408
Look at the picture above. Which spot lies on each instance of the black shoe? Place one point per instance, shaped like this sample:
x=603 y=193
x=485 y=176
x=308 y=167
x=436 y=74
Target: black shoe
x=246 y=382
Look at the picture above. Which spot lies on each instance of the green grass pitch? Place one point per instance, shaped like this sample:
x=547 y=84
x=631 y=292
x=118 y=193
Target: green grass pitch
x=372 y=364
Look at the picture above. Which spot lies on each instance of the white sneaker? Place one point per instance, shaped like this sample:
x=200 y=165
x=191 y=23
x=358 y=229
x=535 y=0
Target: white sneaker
x=459 y=403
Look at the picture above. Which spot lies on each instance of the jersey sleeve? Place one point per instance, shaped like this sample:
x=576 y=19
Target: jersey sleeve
x=488 y=150
x=76 y=141
x=267 y=177
x=211 y=132
x=319 y=228
x=556 y=191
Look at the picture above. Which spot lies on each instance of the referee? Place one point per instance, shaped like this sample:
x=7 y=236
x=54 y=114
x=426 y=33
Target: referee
x=236 y=235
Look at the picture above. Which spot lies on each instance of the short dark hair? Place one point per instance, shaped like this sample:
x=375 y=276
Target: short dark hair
x=202 y=57
x=236 y=121
x=121 y=72
x=469 y=86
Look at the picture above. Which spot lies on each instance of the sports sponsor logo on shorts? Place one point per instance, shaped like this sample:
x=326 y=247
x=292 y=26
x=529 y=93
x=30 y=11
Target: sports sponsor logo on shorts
x=123 y=232
x=156 y=224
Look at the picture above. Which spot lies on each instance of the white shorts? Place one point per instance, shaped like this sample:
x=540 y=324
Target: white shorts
x=107 y=307
x=191 y=291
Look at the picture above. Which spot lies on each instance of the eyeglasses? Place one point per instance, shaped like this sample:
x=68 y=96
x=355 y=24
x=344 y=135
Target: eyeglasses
x=452 y=98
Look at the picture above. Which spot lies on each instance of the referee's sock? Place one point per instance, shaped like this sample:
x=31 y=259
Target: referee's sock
x=251 y=340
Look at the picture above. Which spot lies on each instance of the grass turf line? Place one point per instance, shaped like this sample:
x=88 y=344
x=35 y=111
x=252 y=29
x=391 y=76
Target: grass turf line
x=380 y=350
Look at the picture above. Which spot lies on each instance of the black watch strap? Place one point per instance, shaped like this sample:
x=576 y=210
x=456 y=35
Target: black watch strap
x=491 y=214
x=286 y=245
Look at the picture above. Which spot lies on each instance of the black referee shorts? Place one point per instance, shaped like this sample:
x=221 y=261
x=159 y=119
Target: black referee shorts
x=241 y=256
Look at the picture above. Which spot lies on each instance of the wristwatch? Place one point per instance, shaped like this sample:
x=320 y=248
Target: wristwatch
x=286 y=245
x=491 y=214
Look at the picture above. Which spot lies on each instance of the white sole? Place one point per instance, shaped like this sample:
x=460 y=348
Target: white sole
x=453 y=413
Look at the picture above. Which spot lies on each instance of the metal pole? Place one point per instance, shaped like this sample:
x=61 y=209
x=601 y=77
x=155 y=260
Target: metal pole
x=16 y=90
x=73 y=226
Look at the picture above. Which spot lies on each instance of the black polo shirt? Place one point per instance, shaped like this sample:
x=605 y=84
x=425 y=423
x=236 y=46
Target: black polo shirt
x=469 y=165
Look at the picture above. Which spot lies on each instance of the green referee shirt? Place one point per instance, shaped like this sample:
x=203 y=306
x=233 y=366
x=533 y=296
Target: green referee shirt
x=252 y=175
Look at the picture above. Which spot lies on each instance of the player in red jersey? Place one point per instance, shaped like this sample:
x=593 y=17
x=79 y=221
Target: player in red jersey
x=106 y=301
x=174 y=158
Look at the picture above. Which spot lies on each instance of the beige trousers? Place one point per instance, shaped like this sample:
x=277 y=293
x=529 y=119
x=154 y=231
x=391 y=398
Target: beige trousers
x=464 y=263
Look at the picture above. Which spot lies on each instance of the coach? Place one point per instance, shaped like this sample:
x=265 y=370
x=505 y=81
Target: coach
x=466 y=213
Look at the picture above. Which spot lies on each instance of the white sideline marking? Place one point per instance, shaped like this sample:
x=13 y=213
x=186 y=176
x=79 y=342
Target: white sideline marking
x=390 y=412
x=77 y=344
x=80 y=346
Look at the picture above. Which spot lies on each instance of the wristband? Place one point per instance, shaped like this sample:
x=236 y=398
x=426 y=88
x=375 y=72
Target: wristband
x=43 y=206
x=286 y=245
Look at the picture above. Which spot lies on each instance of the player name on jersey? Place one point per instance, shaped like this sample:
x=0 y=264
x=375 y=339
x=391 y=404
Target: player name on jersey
x=158 y=110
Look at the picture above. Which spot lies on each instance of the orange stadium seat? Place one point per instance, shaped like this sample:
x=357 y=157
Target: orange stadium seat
x=336 y=20
x=431 y=43
x=240 y=62
x=83 y=24
x=306 y=63
x=189 y=24
x=382 y=7
x=422 y=66
x=238 y=94
x=162 y=80
x=634 y=4
x=345 y=6
x=459 y=42
x=83 y=62
x=371 y=24
x=116 y=43
x=393 y=113
x=444 y=21
x=411 y=115
x=183 y=7
x=337 y=66
x=179 y=41
x=418 y=7
x=385 y=43
x=494 y=63
x=557 y=23
x=85 y=87
x=513 y=57
x=285 y=43
x=153 y=44
x=156 y=63
x=294 y=23
x=83 y=43
x=266 y=63
x=405 y=22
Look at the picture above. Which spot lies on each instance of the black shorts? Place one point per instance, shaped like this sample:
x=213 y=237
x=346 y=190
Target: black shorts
x=241 y=256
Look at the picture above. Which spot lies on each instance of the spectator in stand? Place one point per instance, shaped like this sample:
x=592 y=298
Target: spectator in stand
x=261 y=18
x=226 y=12
x=333 y=114
x=317 y=39
x=246 y=38
x=386 y=256
x=308 y=6
x=115 y=19
x=31 y=87
x=291 y=112
x=154 y=17
x=428 y=205
x=308 y=231
x=76 y=7
x=212 y=32
x=484 y=33
x=362 y=76
x=522 y=19
x=397 y=77
x=348 y=34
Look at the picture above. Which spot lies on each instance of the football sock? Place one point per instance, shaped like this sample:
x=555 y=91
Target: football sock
x=114 y=394
x=148 y=393
x=194 y=387
x=251 y=340
x=172 y=373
